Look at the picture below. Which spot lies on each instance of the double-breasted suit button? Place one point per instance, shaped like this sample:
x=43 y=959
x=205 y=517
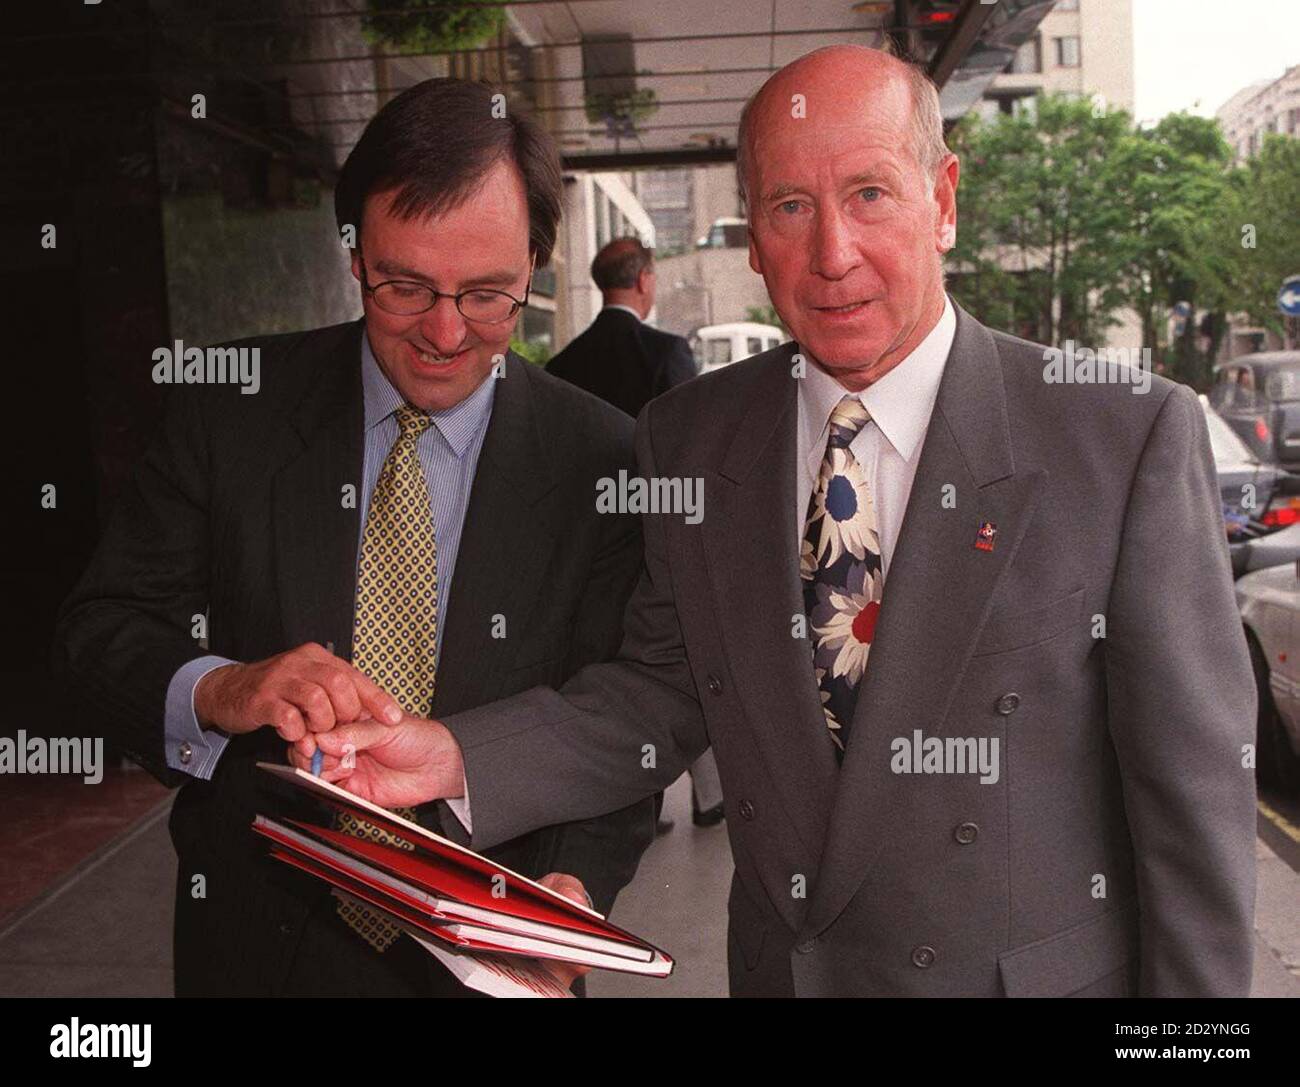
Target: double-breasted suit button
x=746 y=810
x=1007 y=704
x=966 y=833
x=922 y=956
x=806 y=948
x=714 y=685
x=286 y=929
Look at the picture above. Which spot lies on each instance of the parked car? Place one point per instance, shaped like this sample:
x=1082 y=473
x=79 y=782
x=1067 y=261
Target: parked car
x=718 y=345
x=1261 y=502
x=1269 y=601
x=1259 y=397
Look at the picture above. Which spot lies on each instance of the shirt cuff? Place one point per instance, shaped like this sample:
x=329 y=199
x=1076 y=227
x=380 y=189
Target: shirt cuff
x=459 y=806
x=190 y=748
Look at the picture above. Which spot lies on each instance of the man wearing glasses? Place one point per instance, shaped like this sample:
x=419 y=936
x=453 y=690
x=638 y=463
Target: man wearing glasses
x=399 y=524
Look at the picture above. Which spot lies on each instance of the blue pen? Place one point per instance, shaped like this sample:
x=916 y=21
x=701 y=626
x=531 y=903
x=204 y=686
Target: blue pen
x=317 y=762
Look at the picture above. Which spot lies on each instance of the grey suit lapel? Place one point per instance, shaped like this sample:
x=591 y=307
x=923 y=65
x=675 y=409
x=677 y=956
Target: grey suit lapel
x=315 y=534
x=752 y=556
x=505 y=547
x=935 y=601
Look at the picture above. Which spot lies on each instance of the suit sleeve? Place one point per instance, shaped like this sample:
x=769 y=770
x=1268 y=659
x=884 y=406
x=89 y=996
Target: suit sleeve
x=604 y=851
x=1181 y=712
x=615 y=733
x=126 y=629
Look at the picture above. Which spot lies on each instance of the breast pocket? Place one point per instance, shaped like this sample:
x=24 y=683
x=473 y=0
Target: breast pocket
x=1004 y=632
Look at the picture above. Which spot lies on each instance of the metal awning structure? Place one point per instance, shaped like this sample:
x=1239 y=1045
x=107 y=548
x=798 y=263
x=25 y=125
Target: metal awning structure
x=698 y=62
x=620 y=83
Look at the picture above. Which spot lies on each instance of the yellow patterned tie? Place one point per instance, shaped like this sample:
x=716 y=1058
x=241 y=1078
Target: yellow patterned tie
x=394 y=636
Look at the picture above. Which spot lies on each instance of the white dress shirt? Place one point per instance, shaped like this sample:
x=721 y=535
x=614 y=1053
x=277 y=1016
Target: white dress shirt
x=888 y=448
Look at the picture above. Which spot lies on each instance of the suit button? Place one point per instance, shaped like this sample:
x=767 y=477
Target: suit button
x=286 y=929
x=746 y=810
x=1007 y=704
x=807 y=947
x=922 y=956
x=966 y=833
x=715 y=685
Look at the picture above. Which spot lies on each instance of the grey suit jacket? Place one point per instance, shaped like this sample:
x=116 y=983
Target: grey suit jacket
x=1114 y=854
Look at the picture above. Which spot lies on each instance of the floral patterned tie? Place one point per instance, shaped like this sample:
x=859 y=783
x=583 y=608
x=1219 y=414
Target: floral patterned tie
x=394 y=635
x=839 y=564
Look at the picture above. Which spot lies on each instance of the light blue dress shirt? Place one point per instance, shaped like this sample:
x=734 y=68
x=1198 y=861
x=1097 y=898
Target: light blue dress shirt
x=449 y=452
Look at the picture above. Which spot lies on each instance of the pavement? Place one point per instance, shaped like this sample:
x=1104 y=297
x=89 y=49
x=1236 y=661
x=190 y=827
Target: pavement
x=105 y=930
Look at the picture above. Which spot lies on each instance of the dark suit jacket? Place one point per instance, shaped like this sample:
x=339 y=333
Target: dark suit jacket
x=1114 y=854
x=624 y=361
x=237 y=509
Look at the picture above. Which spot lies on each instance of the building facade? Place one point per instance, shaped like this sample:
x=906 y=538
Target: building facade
x=1082 y=47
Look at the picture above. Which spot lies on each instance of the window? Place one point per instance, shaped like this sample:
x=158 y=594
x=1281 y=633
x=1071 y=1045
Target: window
x=753 y=345
x=1067 y=5
x=1222 y=389
x=1067 y=52
x=1029 y=57
x=717 y=352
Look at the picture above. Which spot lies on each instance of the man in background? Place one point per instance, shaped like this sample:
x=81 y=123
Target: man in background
x=619 y=357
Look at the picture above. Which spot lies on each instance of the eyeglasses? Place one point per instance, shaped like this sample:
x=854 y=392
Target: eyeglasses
x=481 y=304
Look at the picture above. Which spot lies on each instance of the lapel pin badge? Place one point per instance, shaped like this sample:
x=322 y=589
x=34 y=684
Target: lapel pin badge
x=984 y=537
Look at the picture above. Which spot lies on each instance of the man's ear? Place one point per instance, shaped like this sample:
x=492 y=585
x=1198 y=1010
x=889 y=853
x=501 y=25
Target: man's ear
x=356 y=263
x=945 y=196
x=754 y=263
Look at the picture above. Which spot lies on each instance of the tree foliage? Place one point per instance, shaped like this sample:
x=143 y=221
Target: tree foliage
x=1069 y=214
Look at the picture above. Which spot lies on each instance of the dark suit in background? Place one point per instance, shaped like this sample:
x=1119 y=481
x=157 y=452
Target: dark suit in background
x=624 y=361
x=236 y=510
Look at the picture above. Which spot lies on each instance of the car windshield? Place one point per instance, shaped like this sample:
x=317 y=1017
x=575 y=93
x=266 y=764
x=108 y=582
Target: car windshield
x=1226 y=446
x=1283 y=384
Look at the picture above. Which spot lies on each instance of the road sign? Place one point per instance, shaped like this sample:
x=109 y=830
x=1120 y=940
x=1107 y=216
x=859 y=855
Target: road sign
x=1288 y=298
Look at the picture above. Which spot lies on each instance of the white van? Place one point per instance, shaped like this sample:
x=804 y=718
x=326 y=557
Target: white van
x=719 y=345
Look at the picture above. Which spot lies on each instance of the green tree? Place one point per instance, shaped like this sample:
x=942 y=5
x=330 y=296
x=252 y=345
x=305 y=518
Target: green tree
x=1170 y=183
x=1265 y=212
x=1036 y=220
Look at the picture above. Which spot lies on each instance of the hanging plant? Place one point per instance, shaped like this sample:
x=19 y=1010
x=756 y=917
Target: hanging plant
x=430 y=26
x=620 y=112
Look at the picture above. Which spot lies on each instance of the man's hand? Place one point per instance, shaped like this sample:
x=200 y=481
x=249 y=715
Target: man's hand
x=566 y=973
x=412 y=762
x=297 y=693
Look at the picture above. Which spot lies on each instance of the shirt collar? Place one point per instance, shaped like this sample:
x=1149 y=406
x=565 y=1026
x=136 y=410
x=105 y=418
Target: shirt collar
x=900 y=403
x=458 y=424
x=619 y=305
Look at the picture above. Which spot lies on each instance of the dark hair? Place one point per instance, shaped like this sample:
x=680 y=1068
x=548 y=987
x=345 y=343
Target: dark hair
x=434 y=142
x=620 y=262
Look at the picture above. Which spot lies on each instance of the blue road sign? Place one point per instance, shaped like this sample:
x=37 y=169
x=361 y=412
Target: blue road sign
x=1288 y=298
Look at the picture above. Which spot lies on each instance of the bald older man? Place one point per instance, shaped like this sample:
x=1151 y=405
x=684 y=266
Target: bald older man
x=962 y=636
